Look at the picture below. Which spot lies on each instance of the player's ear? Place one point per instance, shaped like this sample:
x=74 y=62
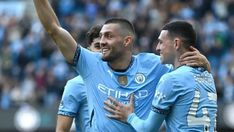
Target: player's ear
x=128 y=40
x=177 y=43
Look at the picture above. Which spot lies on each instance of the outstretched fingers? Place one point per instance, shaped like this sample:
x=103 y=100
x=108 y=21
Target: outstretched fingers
x=113 y=107
x=192 y=53
x=114 y=101
x=110 y=107
x=111 y=110
x=132 y=100
x=114 y=114
x=193 y=49
x=191 y=63
x=188 y=55
x=118 y=110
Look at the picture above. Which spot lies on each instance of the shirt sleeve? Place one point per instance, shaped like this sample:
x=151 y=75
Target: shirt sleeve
x=73 y=97
x=151 y=124
x=84 y=61
x=167 y=92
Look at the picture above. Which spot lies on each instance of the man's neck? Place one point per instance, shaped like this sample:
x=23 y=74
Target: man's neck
x=176 y=61
x=121 y=64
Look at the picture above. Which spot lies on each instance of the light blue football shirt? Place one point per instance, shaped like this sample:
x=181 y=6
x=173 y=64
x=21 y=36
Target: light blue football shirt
x=74 y=104
x=141 y=79
x=187 y=97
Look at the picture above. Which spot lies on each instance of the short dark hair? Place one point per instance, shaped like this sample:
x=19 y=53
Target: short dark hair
x=93 y=33
x=125 y=24
x=181 y=29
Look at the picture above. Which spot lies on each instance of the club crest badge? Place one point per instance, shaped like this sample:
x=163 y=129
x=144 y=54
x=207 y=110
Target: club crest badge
x=123 y=80
x=140 y=78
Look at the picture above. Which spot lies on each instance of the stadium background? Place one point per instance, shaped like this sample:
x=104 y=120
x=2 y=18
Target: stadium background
x=33 y=71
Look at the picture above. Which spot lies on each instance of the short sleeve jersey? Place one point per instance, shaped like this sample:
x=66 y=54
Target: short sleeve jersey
x=74 y=104
x=140 y=78
x=187 y=96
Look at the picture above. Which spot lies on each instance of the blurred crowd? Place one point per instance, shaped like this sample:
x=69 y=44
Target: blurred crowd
x=33 y=70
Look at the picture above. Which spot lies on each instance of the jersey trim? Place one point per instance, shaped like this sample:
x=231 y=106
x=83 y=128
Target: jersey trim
x=76 y=56
x=65 y=113
x=160 y=111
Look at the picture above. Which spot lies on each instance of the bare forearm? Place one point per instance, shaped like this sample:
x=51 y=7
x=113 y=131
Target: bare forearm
x=46 y=15
x=62 y=129
x=61 y=37
x=63 y=123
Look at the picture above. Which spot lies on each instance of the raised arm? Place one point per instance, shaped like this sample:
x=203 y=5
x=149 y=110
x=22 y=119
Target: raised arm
x=61 y=37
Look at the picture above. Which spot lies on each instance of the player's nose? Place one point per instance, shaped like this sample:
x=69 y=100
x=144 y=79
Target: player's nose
x=102 y=42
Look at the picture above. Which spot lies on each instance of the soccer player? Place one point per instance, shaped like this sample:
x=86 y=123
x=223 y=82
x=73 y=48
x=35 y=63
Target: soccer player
x=185 y=98
x=74 y=100
x=115 y=72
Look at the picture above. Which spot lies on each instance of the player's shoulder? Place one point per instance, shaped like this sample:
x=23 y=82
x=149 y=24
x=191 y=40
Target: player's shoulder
x=181 y=70
x=147 y=58
x=86 y=51
x=152 y=61
x=179 y=74
x=168 y=78
x=74 y=86
x=187 y=71
x=176 y=80
x=145 y=55
x=76 y=80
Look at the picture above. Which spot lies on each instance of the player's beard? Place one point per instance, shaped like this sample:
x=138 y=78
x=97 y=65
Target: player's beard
x=113 y=53
x=111 y=56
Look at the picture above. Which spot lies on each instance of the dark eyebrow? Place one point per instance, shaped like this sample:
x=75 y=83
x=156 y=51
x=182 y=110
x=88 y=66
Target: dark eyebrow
x=97 y=43
x=107 y=32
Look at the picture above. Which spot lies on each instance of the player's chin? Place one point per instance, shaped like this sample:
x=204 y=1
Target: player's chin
x=105 y=57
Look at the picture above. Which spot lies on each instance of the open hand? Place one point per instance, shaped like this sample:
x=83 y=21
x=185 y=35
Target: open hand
x=118 y=110
x=195 y=58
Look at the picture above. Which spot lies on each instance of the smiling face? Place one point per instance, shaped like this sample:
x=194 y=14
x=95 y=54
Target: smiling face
x=166 y=48
x=112 y=42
